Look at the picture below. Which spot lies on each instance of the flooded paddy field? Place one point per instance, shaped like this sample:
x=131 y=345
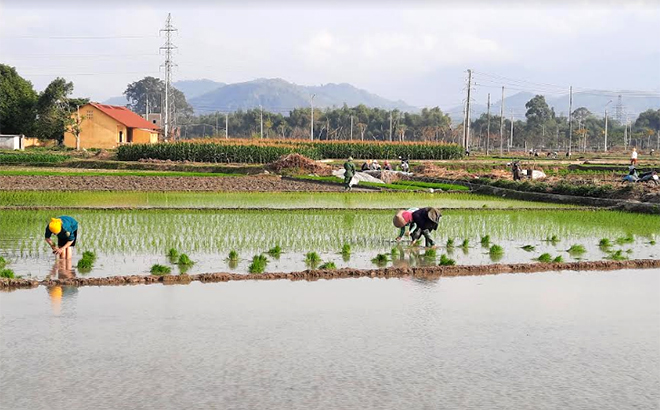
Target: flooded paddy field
x=544 y=341
x=271 y=200
x=129 y=242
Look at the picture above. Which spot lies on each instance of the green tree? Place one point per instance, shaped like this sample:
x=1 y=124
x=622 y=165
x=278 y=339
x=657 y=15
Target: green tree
x=153 y=90
x=17 y=102
x=53 y=110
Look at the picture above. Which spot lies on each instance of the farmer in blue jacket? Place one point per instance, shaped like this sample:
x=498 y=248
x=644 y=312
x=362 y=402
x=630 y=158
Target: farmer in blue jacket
x=66 y=230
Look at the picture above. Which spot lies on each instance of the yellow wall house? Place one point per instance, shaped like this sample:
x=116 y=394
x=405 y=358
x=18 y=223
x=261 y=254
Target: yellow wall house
x=107 y=126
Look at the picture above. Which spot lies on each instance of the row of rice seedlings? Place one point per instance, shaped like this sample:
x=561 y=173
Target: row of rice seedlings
x=547 y=258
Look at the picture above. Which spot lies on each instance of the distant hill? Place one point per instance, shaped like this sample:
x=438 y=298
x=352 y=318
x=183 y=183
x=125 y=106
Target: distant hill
x=593 y=102
x=277 y=95
x=195 y=88
x=121 y=100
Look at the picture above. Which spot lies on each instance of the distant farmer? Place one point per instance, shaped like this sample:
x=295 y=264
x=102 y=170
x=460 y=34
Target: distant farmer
x=515 y=168
x=425 y=219
x=405 y=219
x=66 y=230
x=633 y=157
x=349 y=173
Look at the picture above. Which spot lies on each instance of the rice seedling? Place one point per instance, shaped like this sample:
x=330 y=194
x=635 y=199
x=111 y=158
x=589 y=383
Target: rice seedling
x=328 y=266
x=380 y=260
x=617 y=256
x=529 y=248
x=430 y=253
x=629 y=251
x=312 y=257
x=394 y=253
x=576 y=250
x=604 y=243
x=173 y=254
x=446 y=261
x=233 y=256
x=625 y=240
x=558 y=259
x=346 y=249
x=258 y=264
x=450 y=243
x=7 y=273
x=184 y=260
x=485 y=241
x=545 y=258
x=496 y=250
x=652 y=242
x=3 y=262
x=160 y=270
x=84 y=264
x=275 y=251
x=465 y=244
x=554 y=239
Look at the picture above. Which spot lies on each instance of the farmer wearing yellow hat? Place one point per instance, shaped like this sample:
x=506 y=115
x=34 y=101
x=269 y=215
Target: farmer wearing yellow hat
x=66 y=230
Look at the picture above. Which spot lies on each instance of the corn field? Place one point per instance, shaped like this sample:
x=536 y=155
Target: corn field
x=261 y=152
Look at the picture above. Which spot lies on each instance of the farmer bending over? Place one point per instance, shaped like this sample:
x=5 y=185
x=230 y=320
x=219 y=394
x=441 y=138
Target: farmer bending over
x=425 y=219
x=66 y=230
x=349 y=167
x=403 y=219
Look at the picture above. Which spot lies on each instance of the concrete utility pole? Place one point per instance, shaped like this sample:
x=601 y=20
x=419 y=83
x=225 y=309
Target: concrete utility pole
x=311 y=129
x=146 y=111
x=570 y=119
x=390 y=126
x=606 y=124
x=216 y=124
x=261 y=120
x=502 y=123
x=227 y=126
x=466 y=127
x=351 y=128
x=488 y=125
x=168 y=47
x=511 y=139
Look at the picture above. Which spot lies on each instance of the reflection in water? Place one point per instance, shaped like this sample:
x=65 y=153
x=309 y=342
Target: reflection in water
x=62 y=269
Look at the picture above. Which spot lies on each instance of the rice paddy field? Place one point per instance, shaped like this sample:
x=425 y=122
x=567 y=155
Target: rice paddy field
x=272 y=200
x=131 y=242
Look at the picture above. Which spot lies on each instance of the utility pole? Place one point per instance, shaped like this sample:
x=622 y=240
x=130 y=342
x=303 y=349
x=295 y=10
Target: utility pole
x=502 y=123
x=511 y=139
x=227 y=126
x=168 y=47
x=466 y=127
x=311 y=129
x=570 y=119
x=390 y=126
x=146 y=112
x=216 y=124
x=606 y=125
x=351 y=128
x=488 y=126
x=261 y=120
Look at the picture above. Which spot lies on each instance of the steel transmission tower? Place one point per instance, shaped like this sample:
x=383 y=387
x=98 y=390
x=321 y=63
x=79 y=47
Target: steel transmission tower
x=168 y=47
x=619 y=110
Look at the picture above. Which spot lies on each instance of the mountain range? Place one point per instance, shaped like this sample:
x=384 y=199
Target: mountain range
x=277 y=95
x=274 y=95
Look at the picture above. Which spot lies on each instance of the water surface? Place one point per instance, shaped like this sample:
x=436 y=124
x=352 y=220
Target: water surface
x=541 y=341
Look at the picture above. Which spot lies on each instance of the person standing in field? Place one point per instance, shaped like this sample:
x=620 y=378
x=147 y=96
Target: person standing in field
x=349 y=168
x=633 y=157
x=66 y=230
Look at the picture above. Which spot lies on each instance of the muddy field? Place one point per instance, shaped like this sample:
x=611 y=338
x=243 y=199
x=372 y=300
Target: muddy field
x=259 y=183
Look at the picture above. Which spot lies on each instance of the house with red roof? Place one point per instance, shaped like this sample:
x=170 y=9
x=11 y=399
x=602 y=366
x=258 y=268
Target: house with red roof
x=108 y=126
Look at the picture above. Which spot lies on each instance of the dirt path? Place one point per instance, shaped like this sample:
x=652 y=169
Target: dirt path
x=257 y=183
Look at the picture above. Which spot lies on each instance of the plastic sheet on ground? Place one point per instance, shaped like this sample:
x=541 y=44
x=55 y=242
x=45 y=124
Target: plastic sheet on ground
x=359 y=177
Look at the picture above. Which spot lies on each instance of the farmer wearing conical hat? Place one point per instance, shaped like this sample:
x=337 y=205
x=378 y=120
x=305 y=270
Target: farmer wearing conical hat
x=66 y=230
x=425 y=219
x=349 y=168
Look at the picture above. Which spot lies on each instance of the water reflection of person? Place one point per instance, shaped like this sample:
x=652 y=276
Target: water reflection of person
x=62 y=269
x=57 y=294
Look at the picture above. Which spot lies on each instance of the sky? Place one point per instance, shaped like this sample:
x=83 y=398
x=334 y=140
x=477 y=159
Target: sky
x=414 y=51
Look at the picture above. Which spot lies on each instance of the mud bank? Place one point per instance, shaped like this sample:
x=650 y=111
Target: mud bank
x=311 y=275
x=257 y=183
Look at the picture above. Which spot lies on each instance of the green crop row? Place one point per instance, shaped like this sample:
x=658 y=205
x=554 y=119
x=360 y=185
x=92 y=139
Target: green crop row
x=30 y=157
x=245 y=152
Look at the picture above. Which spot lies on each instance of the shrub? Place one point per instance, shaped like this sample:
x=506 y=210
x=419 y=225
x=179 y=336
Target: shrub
x=160 y=270
x=328 y=266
